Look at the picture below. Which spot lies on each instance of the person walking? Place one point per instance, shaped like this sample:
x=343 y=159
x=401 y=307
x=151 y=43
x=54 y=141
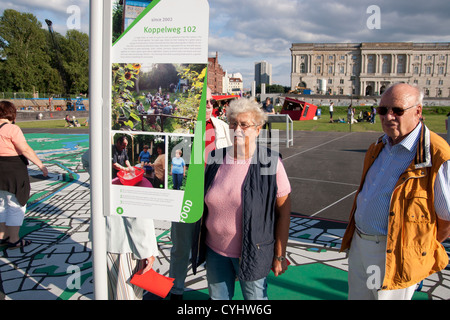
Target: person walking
x=14 y=181
x=331 y=111
x=400 y=213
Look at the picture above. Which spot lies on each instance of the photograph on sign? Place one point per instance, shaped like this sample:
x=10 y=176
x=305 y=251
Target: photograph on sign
x=158 y=108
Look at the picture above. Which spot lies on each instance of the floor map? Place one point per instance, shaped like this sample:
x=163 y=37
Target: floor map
x=58 y=264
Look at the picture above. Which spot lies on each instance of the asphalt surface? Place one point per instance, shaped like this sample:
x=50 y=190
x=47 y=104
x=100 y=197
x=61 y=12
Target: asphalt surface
x=324 y=170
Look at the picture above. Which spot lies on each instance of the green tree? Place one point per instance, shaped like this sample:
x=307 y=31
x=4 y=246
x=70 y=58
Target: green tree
x=273 y=88
x=75 y=55
x=22 y=43
x=29 y=61
x=117 y=20
x=189 y=105
x=162 y=75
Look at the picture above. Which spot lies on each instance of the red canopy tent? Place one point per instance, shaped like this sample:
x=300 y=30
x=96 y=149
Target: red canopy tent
x=225 y=97
x=298 y=110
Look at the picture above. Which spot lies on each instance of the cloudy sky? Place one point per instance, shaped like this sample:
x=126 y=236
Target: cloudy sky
x=248 y=31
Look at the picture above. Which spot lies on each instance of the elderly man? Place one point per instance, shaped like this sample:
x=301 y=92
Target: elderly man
x=401 y=210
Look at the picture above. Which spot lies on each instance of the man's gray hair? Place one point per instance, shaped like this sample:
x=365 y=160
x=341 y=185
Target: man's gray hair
x=419 y=92
x=420 y=95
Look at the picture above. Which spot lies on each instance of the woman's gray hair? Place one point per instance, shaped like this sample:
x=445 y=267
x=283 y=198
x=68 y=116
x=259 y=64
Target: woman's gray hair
x=244 y=105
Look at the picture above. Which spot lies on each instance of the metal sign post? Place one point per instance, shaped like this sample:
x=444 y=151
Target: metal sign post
x=95 y=143
x=172 y=35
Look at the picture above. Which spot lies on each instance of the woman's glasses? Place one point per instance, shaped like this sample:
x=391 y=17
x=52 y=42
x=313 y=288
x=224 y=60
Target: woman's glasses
x=244 y=126
x=395 y=110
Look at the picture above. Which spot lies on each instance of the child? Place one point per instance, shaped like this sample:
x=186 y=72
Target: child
x=178 y=170
x=144 y=157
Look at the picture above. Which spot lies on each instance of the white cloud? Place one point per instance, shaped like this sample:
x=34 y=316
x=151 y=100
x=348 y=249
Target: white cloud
x=54 y=10
x=244 y=32
x=266 y=29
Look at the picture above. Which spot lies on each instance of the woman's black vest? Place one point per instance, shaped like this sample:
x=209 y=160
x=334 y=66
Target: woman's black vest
x=259 y=192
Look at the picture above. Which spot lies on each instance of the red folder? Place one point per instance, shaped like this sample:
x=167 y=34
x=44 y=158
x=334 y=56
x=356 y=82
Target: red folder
x=153 y=282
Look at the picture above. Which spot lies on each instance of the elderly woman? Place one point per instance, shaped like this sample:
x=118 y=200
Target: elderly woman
x=14 y=181
x=245 y=226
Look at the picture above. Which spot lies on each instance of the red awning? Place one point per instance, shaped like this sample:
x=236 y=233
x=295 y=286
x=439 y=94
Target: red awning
x=225 y=97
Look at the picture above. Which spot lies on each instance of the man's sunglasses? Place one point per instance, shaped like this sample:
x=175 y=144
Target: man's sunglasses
x=211 y=101
x=395 y=110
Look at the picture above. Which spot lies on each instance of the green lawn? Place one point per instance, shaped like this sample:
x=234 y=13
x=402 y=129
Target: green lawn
x=52 y=124
x=434 y=119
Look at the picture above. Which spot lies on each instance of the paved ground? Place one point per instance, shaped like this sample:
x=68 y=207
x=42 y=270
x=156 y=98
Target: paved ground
x=324 y=170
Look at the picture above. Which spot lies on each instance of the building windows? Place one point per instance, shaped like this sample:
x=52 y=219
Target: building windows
x=302 y=68
x=371 y=64
x=380 y=64
x=401 y=64
x=386 y=66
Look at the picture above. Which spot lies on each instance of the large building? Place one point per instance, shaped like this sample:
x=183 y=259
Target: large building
x=367 y=69
x=215 y=74
x=263 y=73
x=232 y=83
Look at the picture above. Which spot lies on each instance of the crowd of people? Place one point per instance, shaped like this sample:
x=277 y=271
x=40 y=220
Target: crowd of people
x=157 y=104
x=400 y=215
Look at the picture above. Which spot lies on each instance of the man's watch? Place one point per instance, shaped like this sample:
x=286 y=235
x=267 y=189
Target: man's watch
x=280 y=258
